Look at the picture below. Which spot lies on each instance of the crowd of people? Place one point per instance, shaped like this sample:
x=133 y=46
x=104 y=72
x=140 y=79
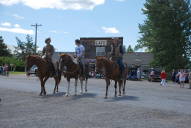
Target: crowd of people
x=4 y=70
x=181 y=77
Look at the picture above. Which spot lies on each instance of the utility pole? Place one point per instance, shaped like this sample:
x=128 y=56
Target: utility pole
x=36 y=28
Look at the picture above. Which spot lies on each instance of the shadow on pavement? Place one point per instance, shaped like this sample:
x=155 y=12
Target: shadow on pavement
x=85 y=95
x=123 y=98
x=55 y=95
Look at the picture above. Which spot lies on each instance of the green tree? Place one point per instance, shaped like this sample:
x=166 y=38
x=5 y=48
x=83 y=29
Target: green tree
x=4 y=51
x=166 y=32
x=24 y=48
x=130 y=49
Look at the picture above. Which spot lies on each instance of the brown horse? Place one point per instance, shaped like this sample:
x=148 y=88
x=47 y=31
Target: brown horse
x=44 y=71
x=111 y=71
x=73 y=70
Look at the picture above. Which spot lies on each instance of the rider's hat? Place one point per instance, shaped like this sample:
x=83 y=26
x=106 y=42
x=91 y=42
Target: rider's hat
x=77 y=41
x=47 y=40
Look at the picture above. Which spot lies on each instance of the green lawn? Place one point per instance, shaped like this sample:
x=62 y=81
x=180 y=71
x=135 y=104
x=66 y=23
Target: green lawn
x=17 y=73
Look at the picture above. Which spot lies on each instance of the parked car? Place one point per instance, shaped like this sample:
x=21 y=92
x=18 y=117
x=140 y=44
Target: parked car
x=33 y=70
x=154 y=75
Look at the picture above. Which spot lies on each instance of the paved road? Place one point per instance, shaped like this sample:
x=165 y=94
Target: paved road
x=146 y=105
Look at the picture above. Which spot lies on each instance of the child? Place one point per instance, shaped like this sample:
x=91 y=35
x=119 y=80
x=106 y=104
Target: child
x=163 y=78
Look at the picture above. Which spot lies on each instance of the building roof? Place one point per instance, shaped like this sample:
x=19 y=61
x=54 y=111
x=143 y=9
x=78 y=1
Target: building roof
x=138 y=58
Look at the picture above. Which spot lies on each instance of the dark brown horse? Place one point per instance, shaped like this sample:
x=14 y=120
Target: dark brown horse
x=111 y=71
x=72 y=70
x=44 y=71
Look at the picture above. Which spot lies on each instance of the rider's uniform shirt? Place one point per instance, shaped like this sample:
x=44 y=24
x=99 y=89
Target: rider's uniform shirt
x=48 y=51
x=80 y=51
x=116 y=52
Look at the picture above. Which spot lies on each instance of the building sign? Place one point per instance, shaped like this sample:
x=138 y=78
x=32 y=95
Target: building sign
x=100 y=42
x=100 y=51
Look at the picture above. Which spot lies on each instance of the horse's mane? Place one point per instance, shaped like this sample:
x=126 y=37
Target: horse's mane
x=104 y=59
x=38 y=58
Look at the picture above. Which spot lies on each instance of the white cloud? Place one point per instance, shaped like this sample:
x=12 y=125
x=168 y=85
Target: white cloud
x=111 y=30
x=58 y=4
x=18 y=16
x=17 y=30
x=6 y=24
x=17 y=26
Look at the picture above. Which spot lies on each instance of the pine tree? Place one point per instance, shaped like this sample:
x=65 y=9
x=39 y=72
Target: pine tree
x=4 y=51
x=24 y=48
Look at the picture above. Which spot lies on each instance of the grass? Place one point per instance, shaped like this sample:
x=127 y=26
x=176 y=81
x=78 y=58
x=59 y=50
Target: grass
x=17 y=73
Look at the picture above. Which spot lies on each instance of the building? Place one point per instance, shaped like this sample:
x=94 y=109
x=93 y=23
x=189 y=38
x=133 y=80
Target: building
x=142 y=59
x=98 y=46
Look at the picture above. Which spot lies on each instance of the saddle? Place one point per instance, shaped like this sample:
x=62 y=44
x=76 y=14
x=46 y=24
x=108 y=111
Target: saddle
x=51 y=67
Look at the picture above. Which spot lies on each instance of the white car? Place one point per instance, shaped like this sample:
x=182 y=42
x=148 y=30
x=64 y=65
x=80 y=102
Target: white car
x=33 y=70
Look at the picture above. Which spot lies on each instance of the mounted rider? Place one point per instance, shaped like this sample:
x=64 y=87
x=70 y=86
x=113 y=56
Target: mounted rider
x=117 y=54
x=48 y=52
x=80 y=54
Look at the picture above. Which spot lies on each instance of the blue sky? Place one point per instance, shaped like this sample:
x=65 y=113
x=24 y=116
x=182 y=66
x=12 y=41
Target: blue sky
x=66 y=20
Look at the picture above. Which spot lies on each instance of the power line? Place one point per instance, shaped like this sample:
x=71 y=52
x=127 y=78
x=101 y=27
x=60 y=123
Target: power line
x=36 y=28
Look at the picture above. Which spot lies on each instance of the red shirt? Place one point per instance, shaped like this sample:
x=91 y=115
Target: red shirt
x=163 y=75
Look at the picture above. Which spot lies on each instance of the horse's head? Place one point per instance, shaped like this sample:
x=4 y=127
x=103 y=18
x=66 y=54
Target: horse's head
x=65 y=60
x=29 y=64
x=100 y=64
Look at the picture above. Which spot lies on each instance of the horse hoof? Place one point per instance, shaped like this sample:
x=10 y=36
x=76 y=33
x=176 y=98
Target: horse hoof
x=105 y=97
x=40 y=94
x=86 y=90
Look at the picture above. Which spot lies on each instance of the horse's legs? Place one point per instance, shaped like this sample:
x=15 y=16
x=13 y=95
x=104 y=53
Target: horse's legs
x=115 y=86
x=86 y=81
x=44 y=81
x=120 y=84
x=107 y=85
x=56 y=85
x=68 y=90
x=41 y=83
x=124 y=83
x=81 y=83
x=76 y=81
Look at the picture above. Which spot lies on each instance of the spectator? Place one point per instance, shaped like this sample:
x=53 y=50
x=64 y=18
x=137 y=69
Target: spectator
x=6 y=70
x=173 y=77
x=138 y=74
x=181 y=76
x=163 y=78
x=189 y=77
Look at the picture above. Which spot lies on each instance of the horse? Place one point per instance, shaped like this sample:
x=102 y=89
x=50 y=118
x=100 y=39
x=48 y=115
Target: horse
x=44 y=72
x=111 y=71
x=70 y=70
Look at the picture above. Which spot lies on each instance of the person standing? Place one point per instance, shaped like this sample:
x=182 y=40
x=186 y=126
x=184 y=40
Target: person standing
x=163 y=76
x=189 y=78
x=182 y=76
x=80 y=54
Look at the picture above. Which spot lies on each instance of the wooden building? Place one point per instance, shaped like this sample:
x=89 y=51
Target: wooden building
x=98 y=46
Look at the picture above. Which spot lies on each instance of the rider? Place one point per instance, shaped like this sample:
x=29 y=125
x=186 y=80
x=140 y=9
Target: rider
x=48 y=52
x=117 y=54
x=79 y=54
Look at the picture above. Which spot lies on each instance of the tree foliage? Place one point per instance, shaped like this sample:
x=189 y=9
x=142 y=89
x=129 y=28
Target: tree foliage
x=166 y=32
x=130 y=49
x=24 y=48
x=4 y=51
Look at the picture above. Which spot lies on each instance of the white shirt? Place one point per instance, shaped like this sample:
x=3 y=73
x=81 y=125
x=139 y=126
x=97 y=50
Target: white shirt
x=80 y=51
